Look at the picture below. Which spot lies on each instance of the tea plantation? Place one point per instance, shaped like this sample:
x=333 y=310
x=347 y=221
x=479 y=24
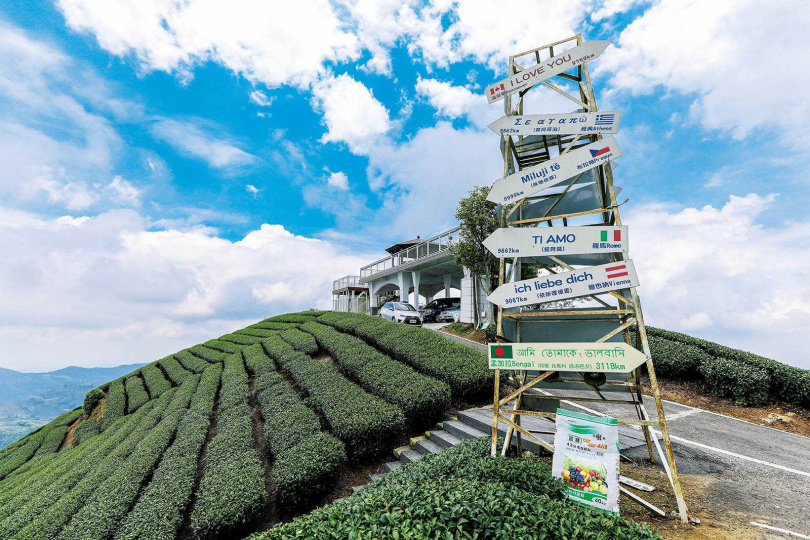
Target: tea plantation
x=242 y=432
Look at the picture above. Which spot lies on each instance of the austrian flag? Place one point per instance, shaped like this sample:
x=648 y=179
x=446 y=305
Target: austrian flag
x=616 y=271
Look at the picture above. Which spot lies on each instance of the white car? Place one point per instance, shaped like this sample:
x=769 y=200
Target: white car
x=401 y=312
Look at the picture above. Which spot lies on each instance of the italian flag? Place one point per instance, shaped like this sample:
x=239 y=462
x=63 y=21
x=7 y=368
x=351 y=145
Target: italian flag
x=617 y=235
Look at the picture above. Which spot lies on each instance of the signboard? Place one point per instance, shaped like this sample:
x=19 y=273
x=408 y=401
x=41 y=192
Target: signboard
x=545 y=70
x=582 y=282
x=537 y=241
x=549 y=173
x=576 y=123
x=586 y=457
x=615 y=357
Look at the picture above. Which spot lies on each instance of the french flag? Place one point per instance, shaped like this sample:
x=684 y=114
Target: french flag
x=597 y=153
x=616 y=271
x=496 y=88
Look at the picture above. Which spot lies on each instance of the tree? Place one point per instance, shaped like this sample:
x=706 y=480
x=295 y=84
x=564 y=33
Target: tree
x=478 y=220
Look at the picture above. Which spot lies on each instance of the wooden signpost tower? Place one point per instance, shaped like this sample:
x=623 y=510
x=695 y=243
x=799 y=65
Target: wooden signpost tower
x=558 y=183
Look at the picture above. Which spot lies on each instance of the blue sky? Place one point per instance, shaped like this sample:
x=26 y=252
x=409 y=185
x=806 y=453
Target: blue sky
x=176 y=170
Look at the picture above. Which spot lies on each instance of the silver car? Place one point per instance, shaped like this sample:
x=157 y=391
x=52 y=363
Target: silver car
x=401 y=312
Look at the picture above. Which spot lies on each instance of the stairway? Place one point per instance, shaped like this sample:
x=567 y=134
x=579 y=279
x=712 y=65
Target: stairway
x=469 y=424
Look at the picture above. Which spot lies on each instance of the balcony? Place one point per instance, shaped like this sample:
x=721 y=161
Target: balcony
x=407 y=258
x=346 y=283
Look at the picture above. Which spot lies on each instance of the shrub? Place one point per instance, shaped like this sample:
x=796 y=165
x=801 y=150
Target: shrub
x=209 y=355
x=256 y=332
x=746 y=385
x=269 y=325
x=294 y=318
x=223 y=346
x=86 y=430
x=242 y=339
x=422 y=399
x=785 y=383
x=21 y=454
x=116 y=405
x=136 y=393
x=467 y=495
x=263 y=369
x=91 y=399
x=307 y=470
x=191 y=362
x=155 y=381
x=366 y=424
x=463 y=368
x=300 y=341
x=176 y=372
x=231 y=493
x=676 y=360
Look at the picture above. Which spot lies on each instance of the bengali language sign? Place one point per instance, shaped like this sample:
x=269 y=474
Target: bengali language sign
x=584 y=357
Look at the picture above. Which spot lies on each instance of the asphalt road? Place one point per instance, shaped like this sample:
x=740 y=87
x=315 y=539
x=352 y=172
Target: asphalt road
x=756 y=473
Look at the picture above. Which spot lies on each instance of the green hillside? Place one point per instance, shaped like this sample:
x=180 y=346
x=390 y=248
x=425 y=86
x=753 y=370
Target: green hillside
x=234 y=434
x=249 y=430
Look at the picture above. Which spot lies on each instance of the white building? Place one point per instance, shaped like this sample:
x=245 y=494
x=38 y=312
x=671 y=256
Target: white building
x=418 y=269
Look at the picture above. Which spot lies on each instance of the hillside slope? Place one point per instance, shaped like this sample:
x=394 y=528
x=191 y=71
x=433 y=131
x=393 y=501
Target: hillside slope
x=29 y=400
x=232 y=434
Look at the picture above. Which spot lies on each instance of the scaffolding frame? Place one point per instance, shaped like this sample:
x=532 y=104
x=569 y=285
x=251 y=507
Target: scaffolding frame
x=626 y=307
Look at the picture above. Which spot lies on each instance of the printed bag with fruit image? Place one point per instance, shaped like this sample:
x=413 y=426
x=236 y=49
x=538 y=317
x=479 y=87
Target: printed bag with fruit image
x=586 y=457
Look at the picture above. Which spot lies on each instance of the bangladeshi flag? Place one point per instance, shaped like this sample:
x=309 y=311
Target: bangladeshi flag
x=500 y=351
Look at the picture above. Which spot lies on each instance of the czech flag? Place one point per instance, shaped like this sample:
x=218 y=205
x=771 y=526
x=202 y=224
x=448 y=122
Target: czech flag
x=601 y=151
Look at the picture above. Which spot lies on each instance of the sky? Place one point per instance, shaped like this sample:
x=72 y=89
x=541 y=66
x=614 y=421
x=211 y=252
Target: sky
x=172 y=171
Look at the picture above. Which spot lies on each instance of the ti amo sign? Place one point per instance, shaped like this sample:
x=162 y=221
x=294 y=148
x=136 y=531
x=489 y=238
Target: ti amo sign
x=545 y=69
x=582 y=282
x=538 y=177
x=536 y=241
x=613 y=357
x=585 y=123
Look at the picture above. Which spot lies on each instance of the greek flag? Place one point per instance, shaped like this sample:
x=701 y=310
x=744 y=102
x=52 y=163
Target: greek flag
x=605 y=119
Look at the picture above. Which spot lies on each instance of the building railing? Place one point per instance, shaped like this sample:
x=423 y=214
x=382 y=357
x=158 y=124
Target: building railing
x=347 y=281
x=422 y=250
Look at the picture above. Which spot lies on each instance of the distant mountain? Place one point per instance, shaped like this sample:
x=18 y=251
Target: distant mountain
x=28 y=400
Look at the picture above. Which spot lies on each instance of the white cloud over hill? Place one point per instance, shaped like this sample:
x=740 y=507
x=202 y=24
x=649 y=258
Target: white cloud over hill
x=116 y=288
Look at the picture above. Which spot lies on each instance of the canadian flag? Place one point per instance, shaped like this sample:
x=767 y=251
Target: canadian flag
x=616 y=271
x=495 y=88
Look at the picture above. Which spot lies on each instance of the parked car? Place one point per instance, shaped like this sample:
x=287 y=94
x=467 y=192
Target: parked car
x=434 y=309
x=449 y=315
x=401 y=312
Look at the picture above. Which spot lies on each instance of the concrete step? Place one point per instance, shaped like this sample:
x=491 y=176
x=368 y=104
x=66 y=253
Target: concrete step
x=355 y=489
x=427 y=447
x=393 y=465
x=444 y=439
x=479 y=420
x=376 y=476
x=410 y=456
x=462 y=430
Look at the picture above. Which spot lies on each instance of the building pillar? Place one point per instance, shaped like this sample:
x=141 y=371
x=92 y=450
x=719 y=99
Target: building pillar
x=403 y=287
x=351 y=303
x=415 y=276
x=447 y=278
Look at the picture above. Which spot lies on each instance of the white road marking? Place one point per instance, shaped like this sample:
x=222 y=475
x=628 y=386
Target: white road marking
x=688 y=412
x=777 y=529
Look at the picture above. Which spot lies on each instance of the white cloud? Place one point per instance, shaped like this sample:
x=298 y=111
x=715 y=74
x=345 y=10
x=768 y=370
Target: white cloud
x=261 y=99
x=115 y=290
x=350 y=111
x=720 y=274
x=270 y=42
x=124 y=192
x=253 y=190
x=338 y=180
x=193 y=139
x=743 y=73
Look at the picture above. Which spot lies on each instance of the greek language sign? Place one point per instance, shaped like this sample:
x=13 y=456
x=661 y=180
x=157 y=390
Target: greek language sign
x=586 y=457
x=585 y=123
x=584 y=357
x=590 y=280
x=536 y=241
x=538 y=177
x=545 y=69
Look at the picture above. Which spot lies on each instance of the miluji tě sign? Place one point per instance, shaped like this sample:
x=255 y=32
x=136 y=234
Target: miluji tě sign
x=536 y=241
x=577 y=123
x=546 y=69
x=531 y=180
x=582 y=282
x=615 y=357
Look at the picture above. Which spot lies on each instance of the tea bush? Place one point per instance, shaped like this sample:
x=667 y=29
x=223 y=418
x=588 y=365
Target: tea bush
x=300 y=341
x=136 y=393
